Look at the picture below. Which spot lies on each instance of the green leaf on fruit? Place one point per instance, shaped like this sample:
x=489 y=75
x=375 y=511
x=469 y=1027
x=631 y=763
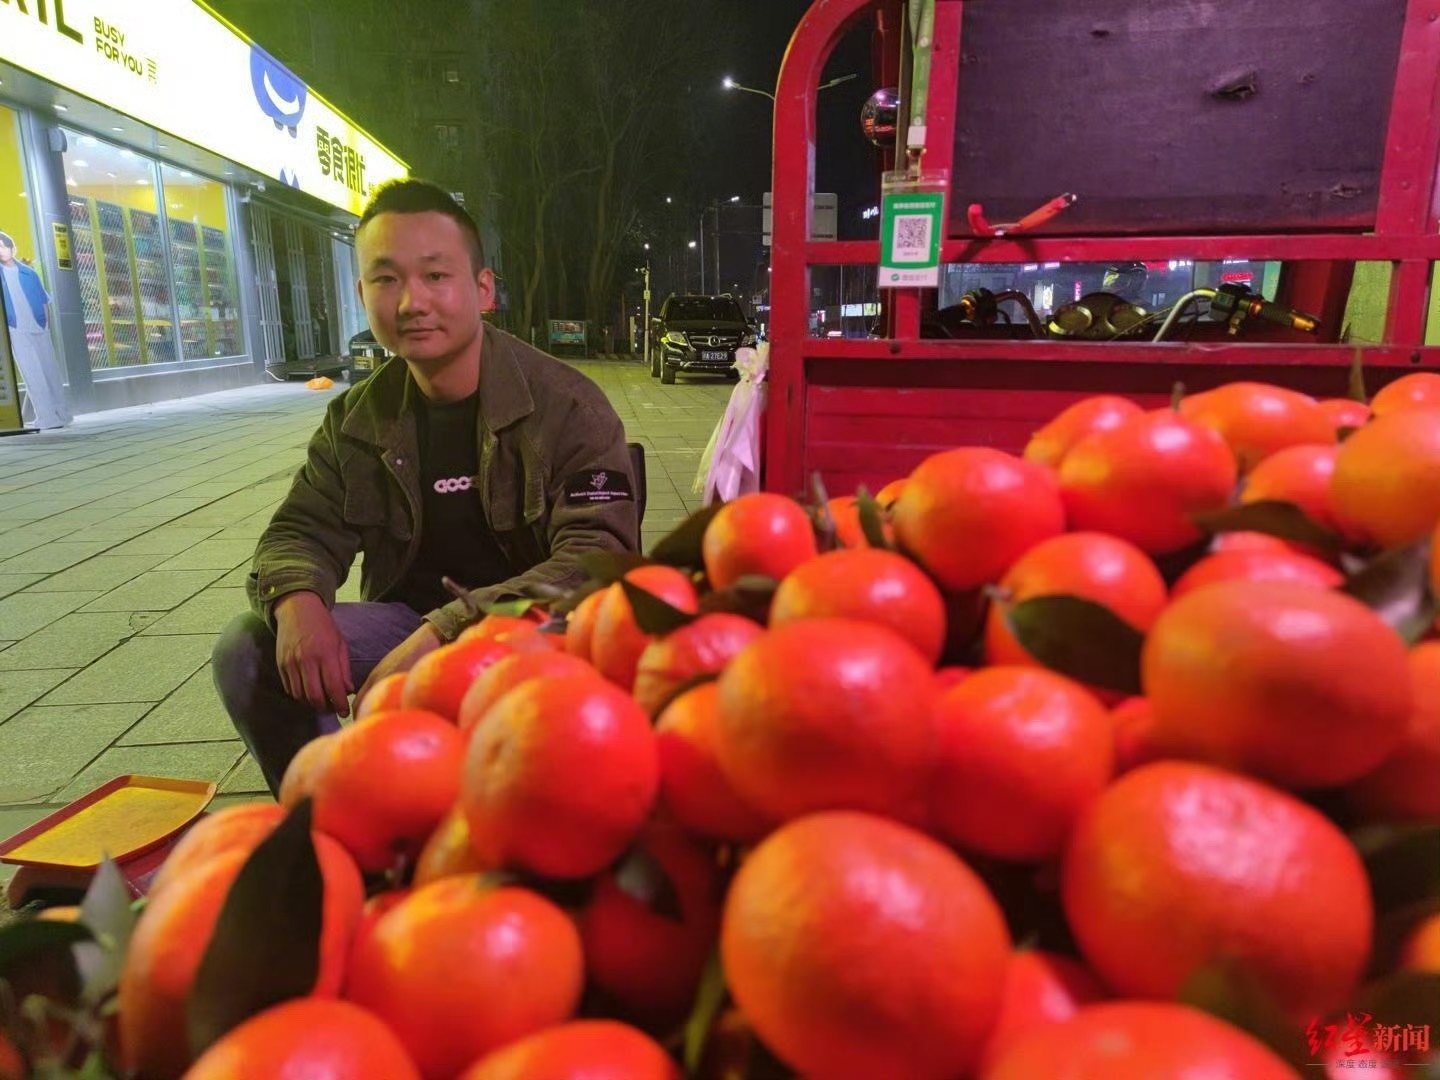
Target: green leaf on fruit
x=26 y=938
x=570 y=601
x=1230 y=992
x=1396 y=586
x=108 y=912
x=37 y=962
x=818 y=491
x=1356 y=388
x=684 y=546
x=266 y=945
x=710 y=998
x=640 y=876
x=653 y=615
x=1174 y=565
x=514 y=609
x=821 y=519
x=1079 y=638
x=872 y=521
x=607 y=567
x=95 y=1067
x=750 y=596
x=823 y=524
x=1273 y=518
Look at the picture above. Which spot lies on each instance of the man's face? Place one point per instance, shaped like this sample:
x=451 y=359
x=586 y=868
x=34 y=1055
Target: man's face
x=7 y=253
x=420 y=291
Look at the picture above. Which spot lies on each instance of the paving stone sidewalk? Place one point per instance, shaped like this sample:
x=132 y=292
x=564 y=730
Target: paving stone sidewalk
x=124 y=544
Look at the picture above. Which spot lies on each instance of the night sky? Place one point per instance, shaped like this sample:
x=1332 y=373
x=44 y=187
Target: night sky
x=747 y=40
x=750 y=41
x=730 y=131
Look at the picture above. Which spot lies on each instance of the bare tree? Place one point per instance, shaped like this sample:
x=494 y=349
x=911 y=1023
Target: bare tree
x=579 y=105
x=630 y=76
x=526 y=110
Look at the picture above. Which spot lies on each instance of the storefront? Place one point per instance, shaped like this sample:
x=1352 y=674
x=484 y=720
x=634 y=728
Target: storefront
x=186 y=202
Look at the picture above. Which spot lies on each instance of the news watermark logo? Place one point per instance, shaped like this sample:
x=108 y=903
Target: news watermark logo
x=1362 y=1042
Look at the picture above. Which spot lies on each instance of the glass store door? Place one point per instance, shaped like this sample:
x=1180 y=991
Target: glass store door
x=305 y=288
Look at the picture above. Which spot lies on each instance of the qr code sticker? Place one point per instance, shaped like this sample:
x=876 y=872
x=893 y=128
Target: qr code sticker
x=912 y=238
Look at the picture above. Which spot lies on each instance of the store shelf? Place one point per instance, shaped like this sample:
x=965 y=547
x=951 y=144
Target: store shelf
x=152 y=279
x=117 y=285
x=189 y=288
x=150 y=295
x=87 y=269
x=221 y=309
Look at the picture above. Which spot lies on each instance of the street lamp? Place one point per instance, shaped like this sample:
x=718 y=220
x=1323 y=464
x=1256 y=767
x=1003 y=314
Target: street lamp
x=730 y=84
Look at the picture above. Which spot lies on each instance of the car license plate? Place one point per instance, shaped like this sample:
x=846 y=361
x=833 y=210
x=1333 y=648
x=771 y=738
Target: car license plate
x=714 y=357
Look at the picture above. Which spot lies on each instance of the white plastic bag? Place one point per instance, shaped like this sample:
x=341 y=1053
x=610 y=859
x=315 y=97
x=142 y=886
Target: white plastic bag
x=730 y=465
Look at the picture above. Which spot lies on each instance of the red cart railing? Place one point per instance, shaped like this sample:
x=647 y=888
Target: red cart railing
x=866 y=411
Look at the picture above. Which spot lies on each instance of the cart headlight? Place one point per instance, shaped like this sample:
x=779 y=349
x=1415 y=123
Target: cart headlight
x=747 y=340
x=675 y=337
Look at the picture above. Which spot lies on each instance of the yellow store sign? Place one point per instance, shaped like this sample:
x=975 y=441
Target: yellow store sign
x=174 y=65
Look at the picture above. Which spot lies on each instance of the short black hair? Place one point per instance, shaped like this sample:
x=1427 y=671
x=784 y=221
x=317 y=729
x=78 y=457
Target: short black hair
x=416 y=196
x=7 y=241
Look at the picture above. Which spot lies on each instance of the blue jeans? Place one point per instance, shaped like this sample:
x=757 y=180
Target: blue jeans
x=273 y=724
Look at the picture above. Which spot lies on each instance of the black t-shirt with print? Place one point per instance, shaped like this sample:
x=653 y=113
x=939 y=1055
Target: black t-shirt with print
x=455 y=539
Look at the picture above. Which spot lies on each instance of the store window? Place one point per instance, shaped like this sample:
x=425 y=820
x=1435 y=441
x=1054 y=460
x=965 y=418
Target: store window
x=120 y=254
x=448 y=136
x=154 y=258
x=200 y=258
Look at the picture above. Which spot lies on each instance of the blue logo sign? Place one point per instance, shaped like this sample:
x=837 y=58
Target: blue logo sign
x=279 y=93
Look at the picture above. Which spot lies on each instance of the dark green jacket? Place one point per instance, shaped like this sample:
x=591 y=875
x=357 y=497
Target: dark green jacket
x=541 y=424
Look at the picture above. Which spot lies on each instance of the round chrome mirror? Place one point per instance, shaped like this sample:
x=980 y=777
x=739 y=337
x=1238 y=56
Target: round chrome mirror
x=880 y=117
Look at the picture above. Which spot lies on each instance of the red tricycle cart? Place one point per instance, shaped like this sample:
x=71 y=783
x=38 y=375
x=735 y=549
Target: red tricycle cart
x=1299 y=135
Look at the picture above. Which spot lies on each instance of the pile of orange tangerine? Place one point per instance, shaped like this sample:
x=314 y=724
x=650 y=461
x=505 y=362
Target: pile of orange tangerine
x=821 y=791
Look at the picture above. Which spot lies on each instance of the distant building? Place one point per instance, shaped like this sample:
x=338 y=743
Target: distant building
x=412 y=81
x=183 y=199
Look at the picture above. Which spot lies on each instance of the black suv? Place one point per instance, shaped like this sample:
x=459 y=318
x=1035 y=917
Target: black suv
x=698 y=334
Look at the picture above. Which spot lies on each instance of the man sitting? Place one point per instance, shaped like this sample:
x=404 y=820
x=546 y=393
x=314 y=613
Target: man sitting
x=474 y=456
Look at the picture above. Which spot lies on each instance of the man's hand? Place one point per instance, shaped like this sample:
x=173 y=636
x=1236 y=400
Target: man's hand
x=311 y=653
x=403 y=657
